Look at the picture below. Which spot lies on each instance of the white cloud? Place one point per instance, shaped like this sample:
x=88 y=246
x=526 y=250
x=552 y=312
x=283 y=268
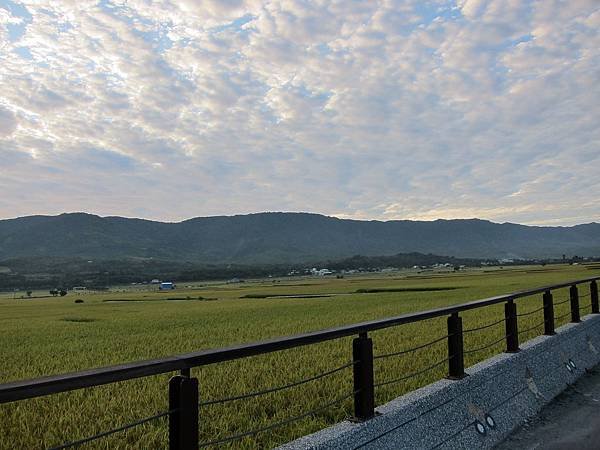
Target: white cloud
x=8 y=122
x=369 y=109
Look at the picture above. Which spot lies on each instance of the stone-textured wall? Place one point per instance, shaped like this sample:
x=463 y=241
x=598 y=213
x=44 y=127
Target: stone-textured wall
x=480 y=410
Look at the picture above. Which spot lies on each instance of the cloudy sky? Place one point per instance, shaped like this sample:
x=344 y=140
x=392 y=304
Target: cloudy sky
x=391 y=109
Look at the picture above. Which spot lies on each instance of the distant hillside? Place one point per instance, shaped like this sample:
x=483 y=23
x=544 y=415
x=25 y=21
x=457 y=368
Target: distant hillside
x=59 y=272
x=267 y=238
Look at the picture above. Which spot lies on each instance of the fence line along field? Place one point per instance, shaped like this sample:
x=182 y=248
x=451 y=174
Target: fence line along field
x=45 y=336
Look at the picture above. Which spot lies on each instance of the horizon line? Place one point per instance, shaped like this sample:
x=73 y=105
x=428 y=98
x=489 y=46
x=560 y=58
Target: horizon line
x=439 y=219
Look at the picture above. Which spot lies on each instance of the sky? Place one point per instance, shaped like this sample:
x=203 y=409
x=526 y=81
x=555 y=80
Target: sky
x=391 y=109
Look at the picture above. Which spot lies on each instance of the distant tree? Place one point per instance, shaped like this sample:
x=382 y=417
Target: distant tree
x=53 y=292
x=62 y=292
x=29 y=293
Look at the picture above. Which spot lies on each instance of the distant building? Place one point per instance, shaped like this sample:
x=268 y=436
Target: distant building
x=166 y=286
x=321 y=272
x=79 y=288
x=155 y=281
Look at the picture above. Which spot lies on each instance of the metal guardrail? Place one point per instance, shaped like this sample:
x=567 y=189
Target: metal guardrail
x=183 y=389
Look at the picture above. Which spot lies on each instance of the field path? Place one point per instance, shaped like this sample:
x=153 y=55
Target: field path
x=571 y=421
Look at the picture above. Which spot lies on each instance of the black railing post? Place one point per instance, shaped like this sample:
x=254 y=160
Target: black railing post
x=574 y=304
x=183 y=420
x=364 y=390
x=456 y=358
x=548 y=314
x=512 y=328
x=594 y=297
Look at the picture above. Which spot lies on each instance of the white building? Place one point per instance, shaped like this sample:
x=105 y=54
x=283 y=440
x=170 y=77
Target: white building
x=320 y=272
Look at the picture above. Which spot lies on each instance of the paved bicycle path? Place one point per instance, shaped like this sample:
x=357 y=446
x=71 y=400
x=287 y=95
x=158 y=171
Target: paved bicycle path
x=570 y=422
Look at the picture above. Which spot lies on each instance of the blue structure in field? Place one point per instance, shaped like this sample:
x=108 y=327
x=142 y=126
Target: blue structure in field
x=166 y=286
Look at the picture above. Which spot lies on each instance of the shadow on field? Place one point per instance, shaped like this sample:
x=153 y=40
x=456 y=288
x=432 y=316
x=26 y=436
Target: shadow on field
x=408 y=289
x=78 y=319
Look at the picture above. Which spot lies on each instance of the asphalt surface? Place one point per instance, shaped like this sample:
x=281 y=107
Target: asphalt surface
x=570 y=422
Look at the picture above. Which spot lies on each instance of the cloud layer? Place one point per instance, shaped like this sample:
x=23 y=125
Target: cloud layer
x=366 y=109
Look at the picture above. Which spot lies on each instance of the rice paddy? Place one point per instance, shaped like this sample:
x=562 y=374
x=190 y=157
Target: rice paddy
x=45 y=336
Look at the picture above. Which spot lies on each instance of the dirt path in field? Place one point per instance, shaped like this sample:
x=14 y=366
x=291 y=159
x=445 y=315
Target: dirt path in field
x=570 y=422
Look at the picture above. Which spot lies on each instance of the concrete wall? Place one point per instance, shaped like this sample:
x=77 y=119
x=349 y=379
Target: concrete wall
x=482 y=409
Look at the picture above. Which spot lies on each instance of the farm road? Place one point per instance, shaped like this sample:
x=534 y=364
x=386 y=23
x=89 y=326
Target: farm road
x=570 y=422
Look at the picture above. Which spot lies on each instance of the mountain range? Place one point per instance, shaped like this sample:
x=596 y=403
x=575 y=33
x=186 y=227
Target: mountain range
x=271 y=238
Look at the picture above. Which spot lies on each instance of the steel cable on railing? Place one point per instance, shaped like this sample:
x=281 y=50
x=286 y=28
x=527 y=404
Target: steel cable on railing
x=279 y=388
x=488 y=345
x=562 y=316
x=410 y=350
x=277 y=424
x=413 y=374
x=113 y=431
x=532 y=328
x=563 y=302
x=483 y=327
x=530 y=312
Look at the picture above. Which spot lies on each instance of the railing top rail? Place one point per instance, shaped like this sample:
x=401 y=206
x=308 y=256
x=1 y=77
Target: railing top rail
x=20 y=390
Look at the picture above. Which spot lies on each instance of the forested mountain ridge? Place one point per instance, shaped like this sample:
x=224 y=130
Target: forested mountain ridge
x=266 y=238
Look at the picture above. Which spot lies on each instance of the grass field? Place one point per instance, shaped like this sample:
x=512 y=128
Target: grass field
x=55 y=335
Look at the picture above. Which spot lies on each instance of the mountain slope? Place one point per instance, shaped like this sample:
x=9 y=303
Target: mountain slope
x=284 y=237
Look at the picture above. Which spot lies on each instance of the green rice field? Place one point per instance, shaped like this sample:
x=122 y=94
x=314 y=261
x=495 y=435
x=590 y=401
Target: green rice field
x=52 y=335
